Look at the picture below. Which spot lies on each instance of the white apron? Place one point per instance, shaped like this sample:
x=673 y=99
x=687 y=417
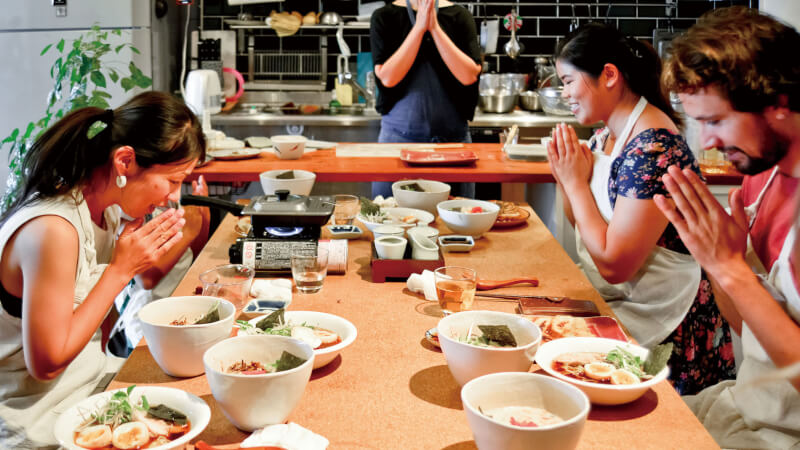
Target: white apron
x=28 y=408
x=739 y=414
x=655 y=300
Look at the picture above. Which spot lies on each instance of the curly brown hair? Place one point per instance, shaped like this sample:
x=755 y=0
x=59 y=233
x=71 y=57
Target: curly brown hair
x=746 y=54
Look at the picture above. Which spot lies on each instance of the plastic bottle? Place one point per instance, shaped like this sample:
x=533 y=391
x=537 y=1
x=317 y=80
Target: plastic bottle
x=334 y=106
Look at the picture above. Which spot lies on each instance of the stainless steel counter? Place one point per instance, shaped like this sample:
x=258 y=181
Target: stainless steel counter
x=523 y=119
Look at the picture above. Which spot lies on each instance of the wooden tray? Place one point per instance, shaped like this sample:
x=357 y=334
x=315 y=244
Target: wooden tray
x=401 y=268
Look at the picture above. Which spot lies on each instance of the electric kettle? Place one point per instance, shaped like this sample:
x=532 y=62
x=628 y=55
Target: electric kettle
x=203 y=92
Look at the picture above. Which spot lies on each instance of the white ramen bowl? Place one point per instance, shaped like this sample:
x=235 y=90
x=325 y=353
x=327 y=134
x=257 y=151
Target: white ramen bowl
x=289 y=146
x=468 y=361
x=197 y=412
x=254 y=401
x=500 y=390
x=435 y=192
x=178 y=349
x=471 y=224
x=343 y=327
x=601 y=394
x=301 y=184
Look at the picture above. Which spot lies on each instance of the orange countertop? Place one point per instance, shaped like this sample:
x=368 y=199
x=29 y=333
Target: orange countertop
x=391 y=389
x=493 y=166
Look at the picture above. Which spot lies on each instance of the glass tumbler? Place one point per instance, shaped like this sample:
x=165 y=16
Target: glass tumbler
x=230 y=281
x=309 y=269
x=455 y=288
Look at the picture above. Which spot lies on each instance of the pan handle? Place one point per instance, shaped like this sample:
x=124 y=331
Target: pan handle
x=202 y=200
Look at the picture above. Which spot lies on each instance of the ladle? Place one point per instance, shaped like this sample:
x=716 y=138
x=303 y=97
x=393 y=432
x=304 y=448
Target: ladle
x=513 y=47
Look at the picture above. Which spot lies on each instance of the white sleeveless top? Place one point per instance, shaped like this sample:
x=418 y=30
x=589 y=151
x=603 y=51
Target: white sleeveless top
x=28 y=407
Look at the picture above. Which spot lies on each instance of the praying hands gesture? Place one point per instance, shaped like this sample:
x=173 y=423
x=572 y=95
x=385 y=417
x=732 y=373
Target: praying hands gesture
x=716 y=239
x=570 y=160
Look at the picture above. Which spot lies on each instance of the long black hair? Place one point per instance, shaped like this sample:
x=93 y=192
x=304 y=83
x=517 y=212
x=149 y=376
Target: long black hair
x=593 y=45
x=160 y=128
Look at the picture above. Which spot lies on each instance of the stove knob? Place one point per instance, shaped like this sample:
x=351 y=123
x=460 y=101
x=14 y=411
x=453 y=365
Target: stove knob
x=283 y=194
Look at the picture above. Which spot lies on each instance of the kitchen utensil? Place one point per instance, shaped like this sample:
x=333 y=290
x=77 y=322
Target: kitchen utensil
x=553 y=102
x=513 y=47
x=519 y=296
x=510 y=137
x=330 y=18
x=529 y=100
x=493 y=31
x=500 y=101
x=204 y=94
x=573 y=24
x=485 y=285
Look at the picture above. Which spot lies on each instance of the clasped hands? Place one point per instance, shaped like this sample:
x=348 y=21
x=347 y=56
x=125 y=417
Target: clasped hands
x=571 y=161
x=426 y=15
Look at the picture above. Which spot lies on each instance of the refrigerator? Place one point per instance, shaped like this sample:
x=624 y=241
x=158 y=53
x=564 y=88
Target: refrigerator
x=27 y=26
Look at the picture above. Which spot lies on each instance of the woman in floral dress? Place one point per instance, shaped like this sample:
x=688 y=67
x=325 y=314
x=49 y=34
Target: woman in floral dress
x=627 y=248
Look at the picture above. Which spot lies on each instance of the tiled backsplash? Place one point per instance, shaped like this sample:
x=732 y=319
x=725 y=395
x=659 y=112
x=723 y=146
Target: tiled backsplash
x=544 y=23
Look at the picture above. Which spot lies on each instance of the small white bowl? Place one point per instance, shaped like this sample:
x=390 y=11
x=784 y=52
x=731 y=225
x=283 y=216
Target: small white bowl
x=601 y=394
x=423 y=243
x=500 y=390
x=435 y=192
x=178 y=349
x=301 y=184
x=254 y=401
x=455 y=243
x=472 y=224
x=196 y=410
x=468 y=361
x=391 y=247
x=394 y=215
x=339 y=325
x=289 y=146
x=388 y=230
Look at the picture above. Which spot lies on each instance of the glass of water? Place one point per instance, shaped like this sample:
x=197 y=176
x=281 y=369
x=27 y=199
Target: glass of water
x=309 y=269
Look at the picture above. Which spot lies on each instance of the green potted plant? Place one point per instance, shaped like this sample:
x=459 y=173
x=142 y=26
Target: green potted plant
x=83 y=70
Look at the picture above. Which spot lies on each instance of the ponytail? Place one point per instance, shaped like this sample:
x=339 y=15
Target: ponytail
x=593 y=45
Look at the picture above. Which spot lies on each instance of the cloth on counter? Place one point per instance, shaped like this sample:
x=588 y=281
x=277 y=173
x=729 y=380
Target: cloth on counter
x=423 y=283
x=290 y=436
x=272 y=289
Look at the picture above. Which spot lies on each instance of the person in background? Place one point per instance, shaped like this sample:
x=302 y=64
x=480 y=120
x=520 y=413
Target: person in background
x=162 y=279
x=732 y=73
x=426 y=68
x=62 y=266
x=626 y=246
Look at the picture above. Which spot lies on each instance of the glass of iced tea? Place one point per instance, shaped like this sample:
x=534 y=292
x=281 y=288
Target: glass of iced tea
x=455 y=288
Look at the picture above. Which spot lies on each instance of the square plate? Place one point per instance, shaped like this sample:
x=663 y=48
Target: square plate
x=556 y=327
x=430 y=157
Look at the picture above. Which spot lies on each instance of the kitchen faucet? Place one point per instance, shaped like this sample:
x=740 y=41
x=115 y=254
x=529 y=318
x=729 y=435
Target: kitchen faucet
x=346 y=77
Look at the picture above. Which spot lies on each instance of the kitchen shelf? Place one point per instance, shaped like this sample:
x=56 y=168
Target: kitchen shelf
x=260 y=25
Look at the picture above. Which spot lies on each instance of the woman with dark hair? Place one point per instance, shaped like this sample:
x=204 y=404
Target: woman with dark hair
x=627 y=248
x=61 y=265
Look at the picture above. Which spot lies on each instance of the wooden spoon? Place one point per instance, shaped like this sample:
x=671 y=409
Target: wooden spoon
x=485 y=285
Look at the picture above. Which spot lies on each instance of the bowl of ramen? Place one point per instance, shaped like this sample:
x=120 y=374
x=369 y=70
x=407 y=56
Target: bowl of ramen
x=178 y=330
x=420 y=194
x=516 y=411
x=609 y=371
x=477 y=343
x=134 y=417
x=326 y=333
x=258 y=380
x=467 y=216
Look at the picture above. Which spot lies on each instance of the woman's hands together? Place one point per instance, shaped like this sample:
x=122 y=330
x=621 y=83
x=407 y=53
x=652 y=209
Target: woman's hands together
x=140 y=246
x=426 y=15
x=570 y=160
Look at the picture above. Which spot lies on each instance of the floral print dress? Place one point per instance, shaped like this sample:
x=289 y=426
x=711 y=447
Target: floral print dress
x=703 y=352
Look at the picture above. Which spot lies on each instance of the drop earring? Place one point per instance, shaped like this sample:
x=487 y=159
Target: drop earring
x=121 y=181
x=780 y=116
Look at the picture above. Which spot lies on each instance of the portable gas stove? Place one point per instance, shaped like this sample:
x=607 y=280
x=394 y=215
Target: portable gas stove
x=281 y=224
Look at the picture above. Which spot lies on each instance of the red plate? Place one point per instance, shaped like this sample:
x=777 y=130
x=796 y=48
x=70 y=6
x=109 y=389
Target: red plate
x=438 y=157
x=600 y=326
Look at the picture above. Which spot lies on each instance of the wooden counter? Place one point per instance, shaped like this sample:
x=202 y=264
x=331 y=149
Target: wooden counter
x=493 y=166
x=391 y=389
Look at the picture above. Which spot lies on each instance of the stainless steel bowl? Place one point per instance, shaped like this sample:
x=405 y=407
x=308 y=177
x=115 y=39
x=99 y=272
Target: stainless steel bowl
x=529 y=100
x=497 y=101
x=552 y=101
x=330 y=18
